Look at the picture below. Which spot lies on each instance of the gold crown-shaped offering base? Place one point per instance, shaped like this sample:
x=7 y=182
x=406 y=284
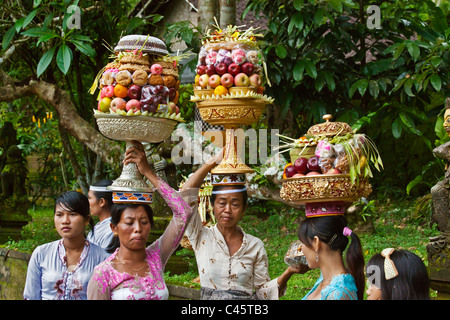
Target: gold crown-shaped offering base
x=324 y=187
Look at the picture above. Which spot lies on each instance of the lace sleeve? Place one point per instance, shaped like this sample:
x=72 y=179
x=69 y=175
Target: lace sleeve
x=98 y=286
x=182 y=204
x=338 y=294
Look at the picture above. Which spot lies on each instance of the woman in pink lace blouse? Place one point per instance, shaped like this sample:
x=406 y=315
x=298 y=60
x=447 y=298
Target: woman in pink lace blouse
x=135 y=271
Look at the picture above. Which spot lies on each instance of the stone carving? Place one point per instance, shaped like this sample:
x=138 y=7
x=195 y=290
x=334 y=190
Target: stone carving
x=439 y=247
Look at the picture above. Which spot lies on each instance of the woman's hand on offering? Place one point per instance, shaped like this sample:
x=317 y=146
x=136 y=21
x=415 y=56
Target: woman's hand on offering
x=136 y=154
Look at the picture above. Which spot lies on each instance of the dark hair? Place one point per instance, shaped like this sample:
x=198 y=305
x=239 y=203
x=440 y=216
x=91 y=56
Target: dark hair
x=412 y=282
x=219 y=188
x=116 y=213
x=330 y=230
x=104 y=195
x=75 y=201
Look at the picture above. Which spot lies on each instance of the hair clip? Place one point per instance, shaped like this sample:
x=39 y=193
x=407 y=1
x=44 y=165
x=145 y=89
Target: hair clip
x=332 y=239
x=390 y=271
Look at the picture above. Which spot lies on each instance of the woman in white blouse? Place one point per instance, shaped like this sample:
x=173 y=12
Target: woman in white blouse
x=232 y=264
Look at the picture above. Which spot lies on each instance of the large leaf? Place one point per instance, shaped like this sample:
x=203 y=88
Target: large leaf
x=436 y=82
x=409 y=123
x=281 y=52
x=45 y=61
x=311 y=69
x=84 y=48
x=439 y=20
x=336 y=5
x=330 y=80
x=360 y=85
x=407 y=87
x=298 y=70
x=397 y=128
x=64 y=58
x=320 y=81
x=7 y=38
x=29 y=18
x=374 y=89
x=37 y=32
x=413 y=50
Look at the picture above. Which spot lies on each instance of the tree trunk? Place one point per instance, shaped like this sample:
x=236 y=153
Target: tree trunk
x=227 y=13
x=109 y=151
x=207 y=10
x=73 y=159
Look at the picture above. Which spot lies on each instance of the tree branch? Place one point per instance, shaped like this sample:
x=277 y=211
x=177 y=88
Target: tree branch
x=108 y=150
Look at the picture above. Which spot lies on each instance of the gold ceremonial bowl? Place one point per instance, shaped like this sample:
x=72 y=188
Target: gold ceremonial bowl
x=324 y=187
x=231 y=113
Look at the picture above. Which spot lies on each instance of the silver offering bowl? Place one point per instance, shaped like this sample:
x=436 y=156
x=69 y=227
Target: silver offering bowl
x=128 y=128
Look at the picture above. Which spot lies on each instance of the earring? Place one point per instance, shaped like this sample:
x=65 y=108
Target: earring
x=317 y=256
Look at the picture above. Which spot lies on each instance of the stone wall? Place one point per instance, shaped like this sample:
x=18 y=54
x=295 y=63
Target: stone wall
x=13 y=273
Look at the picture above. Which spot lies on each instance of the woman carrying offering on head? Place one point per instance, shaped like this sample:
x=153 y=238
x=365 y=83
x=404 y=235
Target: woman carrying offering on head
x=100 y=203
x=232 y=264
x=134 y=270
x=60 y=270
x=324 y=240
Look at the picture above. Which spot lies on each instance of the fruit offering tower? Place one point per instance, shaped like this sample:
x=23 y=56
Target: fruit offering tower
x=137 y=101
x=329 y=169
x=229 y=90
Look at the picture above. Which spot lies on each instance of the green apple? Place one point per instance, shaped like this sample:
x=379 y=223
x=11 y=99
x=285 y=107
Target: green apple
x=104 y=104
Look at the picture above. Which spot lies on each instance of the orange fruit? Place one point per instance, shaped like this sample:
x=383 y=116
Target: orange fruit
x=220 y=90
x=120 y=91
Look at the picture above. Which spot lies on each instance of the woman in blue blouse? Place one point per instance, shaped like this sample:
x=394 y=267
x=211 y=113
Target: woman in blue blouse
x=324 y=241
x=61 y=270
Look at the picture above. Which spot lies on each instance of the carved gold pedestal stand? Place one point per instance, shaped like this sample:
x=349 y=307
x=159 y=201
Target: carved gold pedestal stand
x=231 y=114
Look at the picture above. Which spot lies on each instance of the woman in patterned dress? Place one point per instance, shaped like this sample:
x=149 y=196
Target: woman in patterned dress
x=60 y=270
x=135 y=271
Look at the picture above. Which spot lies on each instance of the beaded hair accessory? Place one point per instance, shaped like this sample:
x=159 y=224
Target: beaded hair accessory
x=100 y=189
x=390 y=271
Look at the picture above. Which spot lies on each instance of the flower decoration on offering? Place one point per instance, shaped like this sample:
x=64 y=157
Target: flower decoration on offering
x=329 y=168
x=205 y=209
x=137 y=101
x=229 y=87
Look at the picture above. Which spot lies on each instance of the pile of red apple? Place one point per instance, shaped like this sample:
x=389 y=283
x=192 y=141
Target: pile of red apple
x=306 y=167
x=228 y=68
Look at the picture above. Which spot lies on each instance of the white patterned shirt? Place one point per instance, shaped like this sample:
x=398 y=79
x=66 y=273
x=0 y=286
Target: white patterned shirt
x=246 y=270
